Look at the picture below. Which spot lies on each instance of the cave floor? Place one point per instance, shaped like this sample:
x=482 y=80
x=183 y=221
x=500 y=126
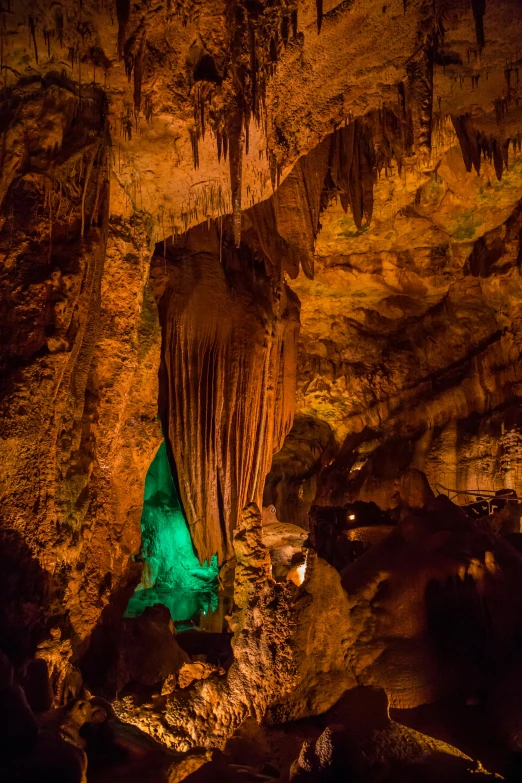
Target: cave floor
x=468 y=728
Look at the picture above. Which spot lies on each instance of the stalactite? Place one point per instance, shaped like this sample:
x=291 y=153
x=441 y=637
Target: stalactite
x=294 y=20
x=474 y=144
x=285 y=29
x=58 y=21
x=195 y=147
x=253 y=67
x=359 y=151
x=202 y=116
x=420 y=95
x=235 y=133
x=272 y=167
x=346 y=165
x=148 y=108
x=126 y=122
x=138 y=73
x=468 y=142
x=32 y=30
x=479 y=9
x=85 y=187
x=319 y=10
x=257 y=35
x=48 y=34
x=230 y=378
x=123 y=14
x=100 y=180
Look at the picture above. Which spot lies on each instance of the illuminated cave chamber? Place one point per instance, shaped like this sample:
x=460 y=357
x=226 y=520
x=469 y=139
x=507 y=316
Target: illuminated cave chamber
x=297 y=237
x=172 y=574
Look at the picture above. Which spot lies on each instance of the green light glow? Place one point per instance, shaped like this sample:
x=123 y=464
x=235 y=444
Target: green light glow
x=172 y=574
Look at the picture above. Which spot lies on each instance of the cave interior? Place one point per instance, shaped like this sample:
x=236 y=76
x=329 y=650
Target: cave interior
x=260 y=391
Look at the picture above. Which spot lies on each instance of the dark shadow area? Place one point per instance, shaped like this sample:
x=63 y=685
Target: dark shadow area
x=216 y=647
x=206 y=70
x=333 y=530
x=469 y=728
x=459 y=624
x=105 y=638
x=26 y=593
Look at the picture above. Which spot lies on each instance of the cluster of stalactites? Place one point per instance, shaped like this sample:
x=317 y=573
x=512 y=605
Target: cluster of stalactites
x=358 y=152
x=344 y=165
x=232 y=92
x=227 y=102
x=258 y=35
x=476 y=144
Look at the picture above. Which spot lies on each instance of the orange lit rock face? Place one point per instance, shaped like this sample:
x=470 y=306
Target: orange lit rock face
x=410 y=347
x=427 y=612
x=172 y=68
x=80 y=350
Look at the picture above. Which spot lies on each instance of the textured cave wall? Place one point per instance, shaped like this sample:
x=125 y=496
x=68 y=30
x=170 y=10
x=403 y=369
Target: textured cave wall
x=291 y=485
x=126 y=430
x=431 y=612
x=409 y=346
x=410 y=342
x=229 y=358
x=79 y=356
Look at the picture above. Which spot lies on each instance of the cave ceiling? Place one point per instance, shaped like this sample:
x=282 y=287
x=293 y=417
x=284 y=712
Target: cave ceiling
x=177 y=74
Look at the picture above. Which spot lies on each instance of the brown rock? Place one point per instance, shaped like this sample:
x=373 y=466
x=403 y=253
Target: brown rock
x=376 y=148
x=287 y=664
x=191 y=672
x=254 y=567
x=147 y=651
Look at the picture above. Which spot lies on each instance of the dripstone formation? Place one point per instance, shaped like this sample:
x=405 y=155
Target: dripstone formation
x=260 y=396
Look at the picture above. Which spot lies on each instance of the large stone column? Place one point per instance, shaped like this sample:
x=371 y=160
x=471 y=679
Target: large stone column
x=229 y=353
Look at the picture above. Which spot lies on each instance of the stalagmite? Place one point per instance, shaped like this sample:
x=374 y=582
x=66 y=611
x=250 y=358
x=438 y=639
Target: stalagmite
x=252 y=557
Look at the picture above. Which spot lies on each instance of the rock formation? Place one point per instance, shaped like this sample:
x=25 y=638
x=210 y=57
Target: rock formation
x=77 y=417
x=229 y=380
x=260 y=317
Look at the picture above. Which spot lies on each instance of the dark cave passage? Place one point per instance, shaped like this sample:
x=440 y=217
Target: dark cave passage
x=459 y=623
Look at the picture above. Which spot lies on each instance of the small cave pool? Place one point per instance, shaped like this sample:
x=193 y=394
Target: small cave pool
x=172 y=573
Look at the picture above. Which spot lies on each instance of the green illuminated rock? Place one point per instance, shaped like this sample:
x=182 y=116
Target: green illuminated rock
x=172 y=574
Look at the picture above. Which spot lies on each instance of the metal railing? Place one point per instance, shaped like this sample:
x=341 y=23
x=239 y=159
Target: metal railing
x=486 y=495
